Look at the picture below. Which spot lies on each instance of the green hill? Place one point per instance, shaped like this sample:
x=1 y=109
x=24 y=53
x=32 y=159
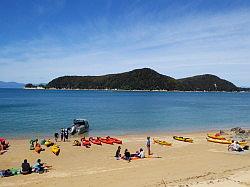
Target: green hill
x=143 y=79
x=206 y=82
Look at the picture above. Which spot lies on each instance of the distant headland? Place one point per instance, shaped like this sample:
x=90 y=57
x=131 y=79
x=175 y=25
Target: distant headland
x=141 y=79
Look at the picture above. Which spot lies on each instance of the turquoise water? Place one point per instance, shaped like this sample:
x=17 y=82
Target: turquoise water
x=27 y=113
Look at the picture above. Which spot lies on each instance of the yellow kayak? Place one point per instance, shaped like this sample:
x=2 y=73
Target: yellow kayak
x=216 y=137
x=55 y=149
x=243 y=143
x=180 y=138
x=162 y=142
x=48 y=143
x=76 y=143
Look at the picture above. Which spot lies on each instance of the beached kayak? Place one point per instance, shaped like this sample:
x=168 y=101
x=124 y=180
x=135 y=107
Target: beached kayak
x=243 y=143
x=55 y=149
x=38 y=149
x=180 y=138
x=95 y=141
x=32 y=147
x=160 y=142
x=76 y=143
x=48 y=143
x=2 y=140
x=105 y=140
x=85 y=142
x=114 y=140
x=216 y=137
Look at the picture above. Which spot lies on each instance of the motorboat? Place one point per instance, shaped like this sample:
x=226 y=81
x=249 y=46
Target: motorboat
x=79 y=126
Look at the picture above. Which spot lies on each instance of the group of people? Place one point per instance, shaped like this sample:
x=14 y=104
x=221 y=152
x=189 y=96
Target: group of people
x=235 y=146
x=127 y=155
x=38 y=167
x=64 y=135
x=138 y=154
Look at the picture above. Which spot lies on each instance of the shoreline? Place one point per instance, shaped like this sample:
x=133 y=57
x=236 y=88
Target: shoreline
x=149 y=133
x=122 y=90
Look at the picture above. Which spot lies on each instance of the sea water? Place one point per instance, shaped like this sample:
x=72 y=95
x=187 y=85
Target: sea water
x=29 y=113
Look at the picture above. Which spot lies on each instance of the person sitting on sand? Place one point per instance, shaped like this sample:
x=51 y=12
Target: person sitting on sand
x=232 y=146
x=238 y=147
x=235 y=146
x=26 y=169
x=141 y=154
x=127 y=155
x=38 y=167
x=118 y=153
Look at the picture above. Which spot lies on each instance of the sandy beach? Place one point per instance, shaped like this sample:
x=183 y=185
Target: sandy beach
x=183 y=164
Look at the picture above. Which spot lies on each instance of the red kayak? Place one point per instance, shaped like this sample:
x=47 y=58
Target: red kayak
x=115 y=140
x=105 y=140
x=2 y=140
x=95 y=141
x=85 y=142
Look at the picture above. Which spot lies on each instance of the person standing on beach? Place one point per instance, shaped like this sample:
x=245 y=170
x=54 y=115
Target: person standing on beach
x=66 y=134
x=56 y=135
x=62 y=134
x=148 y=145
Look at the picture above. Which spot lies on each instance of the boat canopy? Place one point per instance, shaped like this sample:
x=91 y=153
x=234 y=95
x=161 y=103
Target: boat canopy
x=80 y=122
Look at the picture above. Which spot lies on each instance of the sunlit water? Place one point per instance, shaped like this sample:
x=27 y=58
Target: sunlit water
x=28 y=113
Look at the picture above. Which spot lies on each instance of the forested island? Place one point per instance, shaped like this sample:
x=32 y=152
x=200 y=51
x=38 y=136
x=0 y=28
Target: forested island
x=143 y=79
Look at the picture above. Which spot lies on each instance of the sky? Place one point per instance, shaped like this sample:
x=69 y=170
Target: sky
x=41 y=40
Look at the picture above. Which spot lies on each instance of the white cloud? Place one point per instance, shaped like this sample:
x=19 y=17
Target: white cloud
x=216 y=44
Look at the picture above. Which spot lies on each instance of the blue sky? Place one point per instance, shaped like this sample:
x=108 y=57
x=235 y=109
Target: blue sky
x=41 y=40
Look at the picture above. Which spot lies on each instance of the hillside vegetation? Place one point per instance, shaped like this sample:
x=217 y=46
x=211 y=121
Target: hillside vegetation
x=143 y=79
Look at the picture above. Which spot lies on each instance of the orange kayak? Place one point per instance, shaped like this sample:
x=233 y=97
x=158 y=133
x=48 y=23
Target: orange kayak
x=216 y=137
x=114 y=140
x=95 y=141
x=85 y=142
x=38 y=149
x=242 y=143
x=105 y=140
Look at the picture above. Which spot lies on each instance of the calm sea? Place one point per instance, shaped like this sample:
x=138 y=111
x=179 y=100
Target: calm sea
x=29 y=113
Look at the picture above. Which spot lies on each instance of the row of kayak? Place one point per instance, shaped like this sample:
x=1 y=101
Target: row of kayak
x=217 y=138
x=211 y=138
x=179 y=138
x=98 y=141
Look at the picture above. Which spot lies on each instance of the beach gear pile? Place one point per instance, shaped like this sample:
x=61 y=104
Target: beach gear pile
x=34 y=145
x=10 y=172
x=87 y=142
